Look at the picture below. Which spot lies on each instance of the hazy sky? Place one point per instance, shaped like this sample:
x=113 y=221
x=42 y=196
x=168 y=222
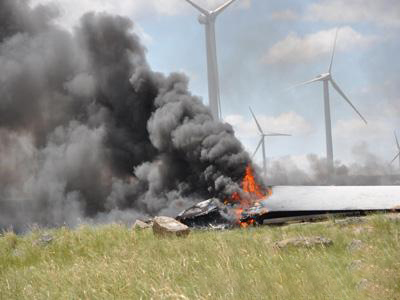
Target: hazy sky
x=264 y=47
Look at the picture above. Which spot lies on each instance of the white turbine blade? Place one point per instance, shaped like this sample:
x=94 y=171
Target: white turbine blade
x=277 y=134
x=397 y=141
x=337 y=88
x=202 y=10
x=223 y=7
x=333 y=51
x=258 y=147
x=255 y=119
x=395 y=158
x=304 y=83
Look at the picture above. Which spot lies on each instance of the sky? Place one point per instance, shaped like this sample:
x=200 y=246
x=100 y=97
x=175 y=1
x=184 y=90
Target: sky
x=265 y=47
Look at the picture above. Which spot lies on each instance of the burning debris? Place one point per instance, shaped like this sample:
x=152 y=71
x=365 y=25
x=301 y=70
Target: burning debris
x=242 y=209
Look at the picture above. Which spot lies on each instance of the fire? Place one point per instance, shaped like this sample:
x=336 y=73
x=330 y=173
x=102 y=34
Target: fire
x=253 y=194
x=250 y=185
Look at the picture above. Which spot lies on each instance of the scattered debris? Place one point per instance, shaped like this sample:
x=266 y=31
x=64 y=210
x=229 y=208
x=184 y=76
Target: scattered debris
x=141 y=225
x=355 y=245
x=209 y=213
x=164 y=226
x=213 y=214
x=305 y=242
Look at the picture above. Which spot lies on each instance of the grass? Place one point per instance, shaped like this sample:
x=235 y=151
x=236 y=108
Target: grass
x=115 y=262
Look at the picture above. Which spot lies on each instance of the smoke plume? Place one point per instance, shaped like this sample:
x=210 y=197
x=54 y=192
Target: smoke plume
x=368 y=170
x=89 y=132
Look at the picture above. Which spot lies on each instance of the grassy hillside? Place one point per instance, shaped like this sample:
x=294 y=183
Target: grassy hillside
x=114 y=262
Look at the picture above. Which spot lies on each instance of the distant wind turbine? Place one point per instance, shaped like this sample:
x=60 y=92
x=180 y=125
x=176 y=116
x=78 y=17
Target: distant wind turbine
x=398 y=149
x=326 y=78
x=207 y=18
x=262 y=142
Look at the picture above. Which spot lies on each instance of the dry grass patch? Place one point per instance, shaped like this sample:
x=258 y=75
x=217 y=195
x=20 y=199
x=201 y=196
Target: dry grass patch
x=116 y=262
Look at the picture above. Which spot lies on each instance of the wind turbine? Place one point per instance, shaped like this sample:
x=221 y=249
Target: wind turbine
x=327 y=78
x=398 y=149
x=207 y=18
x=262 y=142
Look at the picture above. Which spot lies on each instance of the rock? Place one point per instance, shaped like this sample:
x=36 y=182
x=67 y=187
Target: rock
x=166 y=226
x=305 y=242
x=141 y=225
x=363 y=229
x=355 y=245
x=17 y=253
x=350 y=221
x=44 y=240
x=149 y=222
x=363 y=284
x=355 y=265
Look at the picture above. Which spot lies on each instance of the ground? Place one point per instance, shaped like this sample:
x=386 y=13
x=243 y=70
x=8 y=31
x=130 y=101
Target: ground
x=116 y=262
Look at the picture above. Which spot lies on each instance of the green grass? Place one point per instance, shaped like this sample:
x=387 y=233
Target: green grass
x=115 y=262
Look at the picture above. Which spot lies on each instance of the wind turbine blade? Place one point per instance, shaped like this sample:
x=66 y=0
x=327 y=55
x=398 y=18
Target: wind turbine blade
x=303 y=83
x=333 y=51
x=222 y=7
x=395 y=158
x=258 y=147
x=277 y=134
x=202 y=10
x=337 y=88
x=397 y=141
x=255 y=119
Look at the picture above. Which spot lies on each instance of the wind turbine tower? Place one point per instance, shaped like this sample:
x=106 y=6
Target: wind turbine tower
x=263 y=136
x=207 y=18
x=327 y=78
x=398 y=149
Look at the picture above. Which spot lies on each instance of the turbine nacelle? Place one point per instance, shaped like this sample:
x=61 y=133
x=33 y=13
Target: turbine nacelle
x=203 y=19
x=324 y=76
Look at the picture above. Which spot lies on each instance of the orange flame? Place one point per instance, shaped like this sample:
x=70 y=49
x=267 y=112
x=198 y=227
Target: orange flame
x=250 y=185
x=253 y=194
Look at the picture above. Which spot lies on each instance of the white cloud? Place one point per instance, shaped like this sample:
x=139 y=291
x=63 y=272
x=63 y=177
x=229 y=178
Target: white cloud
x=296 y=49
x=381 y=12
x=72 y=10
x=284 y=15
x=289 y=122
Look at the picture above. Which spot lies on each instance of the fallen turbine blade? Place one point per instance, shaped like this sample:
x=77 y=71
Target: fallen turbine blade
x=202 y=10
x=333 y=51
x=258 y=147
x=222 y=7
x=277 y=134
x=255 y=119
x=337 y=88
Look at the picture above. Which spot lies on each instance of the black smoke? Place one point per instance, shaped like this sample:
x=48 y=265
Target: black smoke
x=89 y=132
